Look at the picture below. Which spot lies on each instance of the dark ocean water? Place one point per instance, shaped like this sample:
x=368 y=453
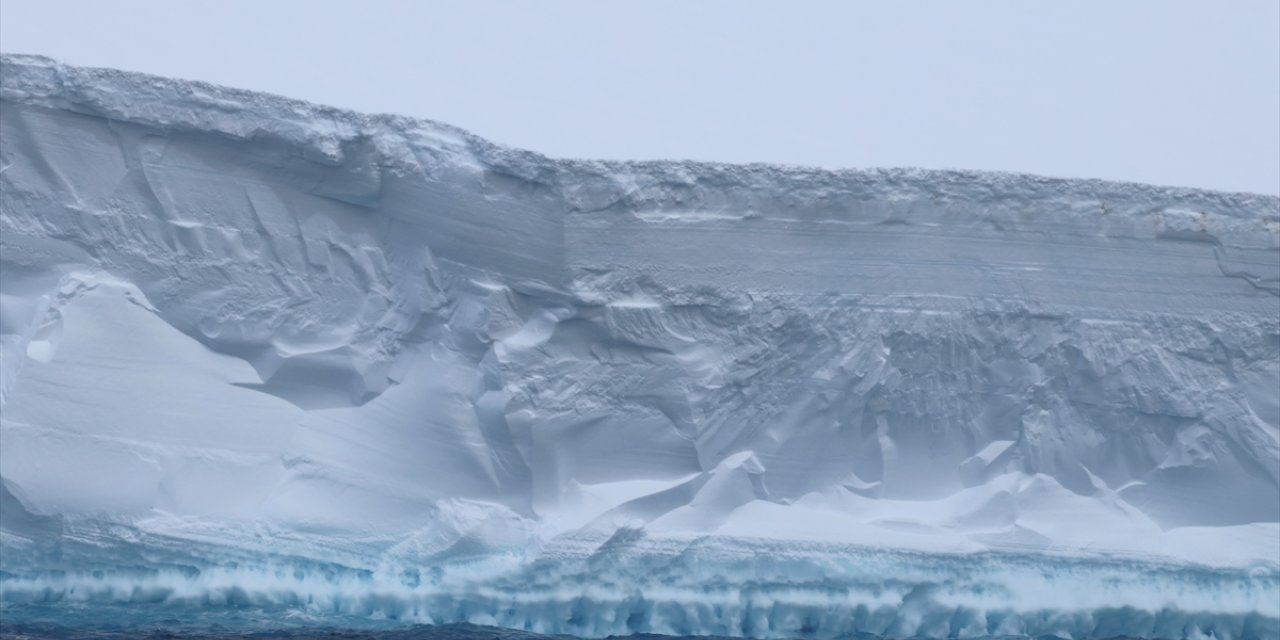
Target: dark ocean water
x=97 y=622
x=177 y=629
x=121 y=622
x=181 y=631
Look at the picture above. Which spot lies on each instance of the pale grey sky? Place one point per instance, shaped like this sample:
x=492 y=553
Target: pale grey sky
x=1162 y=91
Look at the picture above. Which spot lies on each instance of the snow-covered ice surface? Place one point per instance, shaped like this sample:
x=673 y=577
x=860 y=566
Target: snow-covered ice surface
x=260 y=353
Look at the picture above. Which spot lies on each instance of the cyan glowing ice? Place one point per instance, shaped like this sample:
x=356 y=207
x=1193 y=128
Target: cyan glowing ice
x=260 y=351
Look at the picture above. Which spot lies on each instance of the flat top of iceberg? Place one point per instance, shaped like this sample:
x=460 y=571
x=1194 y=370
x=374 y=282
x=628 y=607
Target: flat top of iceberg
x=325 y=132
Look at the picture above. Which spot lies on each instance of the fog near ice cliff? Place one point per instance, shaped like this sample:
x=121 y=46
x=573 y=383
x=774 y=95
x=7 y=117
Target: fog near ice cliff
x=280 y=331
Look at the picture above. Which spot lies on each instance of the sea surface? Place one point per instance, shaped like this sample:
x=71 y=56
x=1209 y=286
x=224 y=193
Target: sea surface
x=97 y=622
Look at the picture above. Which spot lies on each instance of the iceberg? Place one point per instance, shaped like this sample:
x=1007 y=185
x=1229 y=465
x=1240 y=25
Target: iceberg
x=258 y=353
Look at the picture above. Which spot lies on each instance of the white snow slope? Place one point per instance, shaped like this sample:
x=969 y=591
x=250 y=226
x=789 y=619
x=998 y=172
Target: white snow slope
x=257 y=351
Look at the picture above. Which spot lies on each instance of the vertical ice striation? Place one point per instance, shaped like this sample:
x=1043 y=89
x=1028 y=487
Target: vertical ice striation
x=260 y=352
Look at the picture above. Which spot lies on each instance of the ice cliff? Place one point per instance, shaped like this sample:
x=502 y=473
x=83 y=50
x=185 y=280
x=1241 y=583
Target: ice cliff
x=261 y=352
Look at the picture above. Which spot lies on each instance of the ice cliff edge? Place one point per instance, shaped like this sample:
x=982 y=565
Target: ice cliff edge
x=391 y=344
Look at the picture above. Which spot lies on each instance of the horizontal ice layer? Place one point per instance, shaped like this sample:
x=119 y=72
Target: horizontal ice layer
x=277 y=328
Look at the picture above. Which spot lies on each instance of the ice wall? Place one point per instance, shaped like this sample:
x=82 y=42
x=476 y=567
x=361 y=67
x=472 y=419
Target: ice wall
x=273 y=327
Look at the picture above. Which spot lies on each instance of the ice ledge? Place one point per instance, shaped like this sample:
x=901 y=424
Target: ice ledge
x=330 y=135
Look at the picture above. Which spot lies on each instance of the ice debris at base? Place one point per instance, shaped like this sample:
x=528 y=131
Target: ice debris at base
x=256 y=351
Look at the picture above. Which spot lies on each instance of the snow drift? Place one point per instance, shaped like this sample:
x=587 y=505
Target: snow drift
x=256 y=351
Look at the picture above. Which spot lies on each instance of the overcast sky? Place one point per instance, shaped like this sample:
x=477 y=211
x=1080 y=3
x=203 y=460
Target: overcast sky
x=1161 y=91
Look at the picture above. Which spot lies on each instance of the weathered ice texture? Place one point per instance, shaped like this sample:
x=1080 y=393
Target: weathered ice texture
x=256 y=351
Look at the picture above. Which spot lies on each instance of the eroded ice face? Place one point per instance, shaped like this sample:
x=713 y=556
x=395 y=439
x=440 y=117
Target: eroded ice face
x=258 y=352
